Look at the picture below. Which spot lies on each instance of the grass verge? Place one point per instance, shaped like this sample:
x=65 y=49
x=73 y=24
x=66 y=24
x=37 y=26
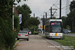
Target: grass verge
x=67 y=41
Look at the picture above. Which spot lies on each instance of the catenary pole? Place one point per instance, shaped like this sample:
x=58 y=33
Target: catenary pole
x=51 y=12
x=60 y=10
x=46 y=15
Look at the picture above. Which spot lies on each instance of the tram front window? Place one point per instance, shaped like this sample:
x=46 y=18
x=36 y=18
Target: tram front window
x=56 y=28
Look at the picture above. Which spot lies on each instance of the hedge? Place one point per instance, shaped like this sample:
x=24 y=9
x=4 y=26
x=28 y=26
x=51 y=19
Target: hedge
x=7 y=38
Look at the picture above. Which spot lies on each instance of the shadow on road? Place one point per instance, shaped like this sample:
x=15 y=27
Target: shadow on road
x=22 y=39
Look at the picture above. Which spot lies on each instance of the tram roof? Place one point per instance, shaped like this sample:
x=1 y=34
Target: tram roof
x=55 y=20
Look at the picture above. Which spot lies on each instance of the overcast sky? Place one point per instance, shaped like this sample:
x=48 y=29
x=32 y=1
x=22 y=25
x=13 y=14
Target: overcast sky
x=40 y=6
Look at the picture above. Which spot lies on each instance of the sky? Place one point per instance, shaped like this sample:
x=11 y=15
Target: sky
x=39 y=7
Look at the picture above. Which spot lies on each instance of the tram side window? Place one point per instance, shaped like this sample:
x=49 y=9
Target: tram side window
x=47 y=28
x=50 y=29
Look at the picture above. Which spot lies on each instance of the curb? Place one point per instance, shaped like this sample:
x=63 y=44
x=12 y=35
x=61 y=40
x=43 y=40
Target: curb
x=16 y=45
x=16 y=42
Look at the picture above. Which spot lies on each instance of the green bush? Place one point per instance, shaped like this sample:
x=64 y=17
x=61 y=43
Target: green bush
x=7 y=37
x=33 y=28
x=16 y=25
x=1 y=35
x=35 y=32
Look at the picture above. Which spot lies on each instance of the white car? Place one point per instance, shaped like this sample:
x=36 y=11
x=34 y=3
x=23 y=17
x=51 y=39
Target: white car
x=23 y=35
x=30 y=32
x=69 y=31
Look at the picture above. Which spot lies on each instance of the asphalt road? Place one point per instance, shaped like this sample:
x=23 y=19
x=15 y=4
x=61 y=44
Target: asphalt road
x=70 y=34
x=35 y=42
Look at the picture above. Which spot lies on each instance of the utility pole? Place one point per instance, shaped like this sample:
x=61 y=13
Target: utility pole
x=13 y=16
x=43 y=23
x=60 y=10
x=13 y=13
x=51 y=11
x=34 y=15
x=46 y=15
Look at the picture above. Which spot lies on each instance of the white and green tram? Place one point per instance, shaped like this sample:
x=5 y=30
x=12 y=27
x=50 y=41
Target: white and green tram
x=53 y=28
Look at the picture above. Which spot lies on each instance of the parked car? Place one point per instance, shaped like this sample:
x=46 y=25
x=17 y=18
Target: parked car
x=30 y=32
x=26 y=29
x=23 y=35
x=69 y=31
x=65 y=31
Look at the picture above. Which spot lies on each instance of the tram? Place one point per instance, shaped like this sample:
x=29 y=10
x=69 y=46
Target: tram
x=53 y=28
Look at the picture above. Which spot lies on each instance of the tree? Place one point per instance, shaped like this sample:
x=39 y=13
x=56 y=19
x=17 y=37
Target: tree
x=25 y=11
x=64 y=21
x=7 y=36
x=72 y=6
x=32 y=22
x=71 y=16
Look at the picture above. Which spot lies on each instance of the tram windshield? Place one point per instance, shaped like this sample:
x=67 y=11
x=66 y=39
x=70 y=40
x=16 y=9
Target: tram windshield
x=56 y=27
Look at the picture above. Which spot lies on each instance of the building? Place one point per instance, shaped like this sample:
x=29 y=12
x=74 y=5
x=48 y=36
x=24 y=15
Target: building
x=15 y=11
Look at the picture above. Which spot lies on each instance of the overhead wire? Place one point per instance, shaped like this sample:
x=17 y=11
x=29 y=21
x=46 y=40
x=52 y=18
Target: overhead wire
x=63 y=7
x=54 y=3
x=66 y=6
x=57 y=6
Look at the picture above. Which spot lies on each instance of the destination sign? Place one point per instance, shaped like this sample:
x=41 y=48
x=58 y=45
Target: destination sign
x=55 y=23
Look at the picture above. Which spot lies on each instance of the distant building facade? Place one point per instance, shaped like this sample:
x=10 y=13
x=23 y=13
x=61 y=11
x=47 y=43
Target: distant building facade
x=15 y=11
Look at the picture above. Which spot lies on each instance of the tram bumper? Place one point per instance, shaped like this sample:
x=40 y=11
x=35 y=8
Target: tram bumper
x=56 y=35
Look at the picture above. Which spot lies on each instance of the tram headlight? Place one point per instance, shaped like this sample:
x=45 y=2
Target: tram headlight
x=59 y=34
x=52 y=34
